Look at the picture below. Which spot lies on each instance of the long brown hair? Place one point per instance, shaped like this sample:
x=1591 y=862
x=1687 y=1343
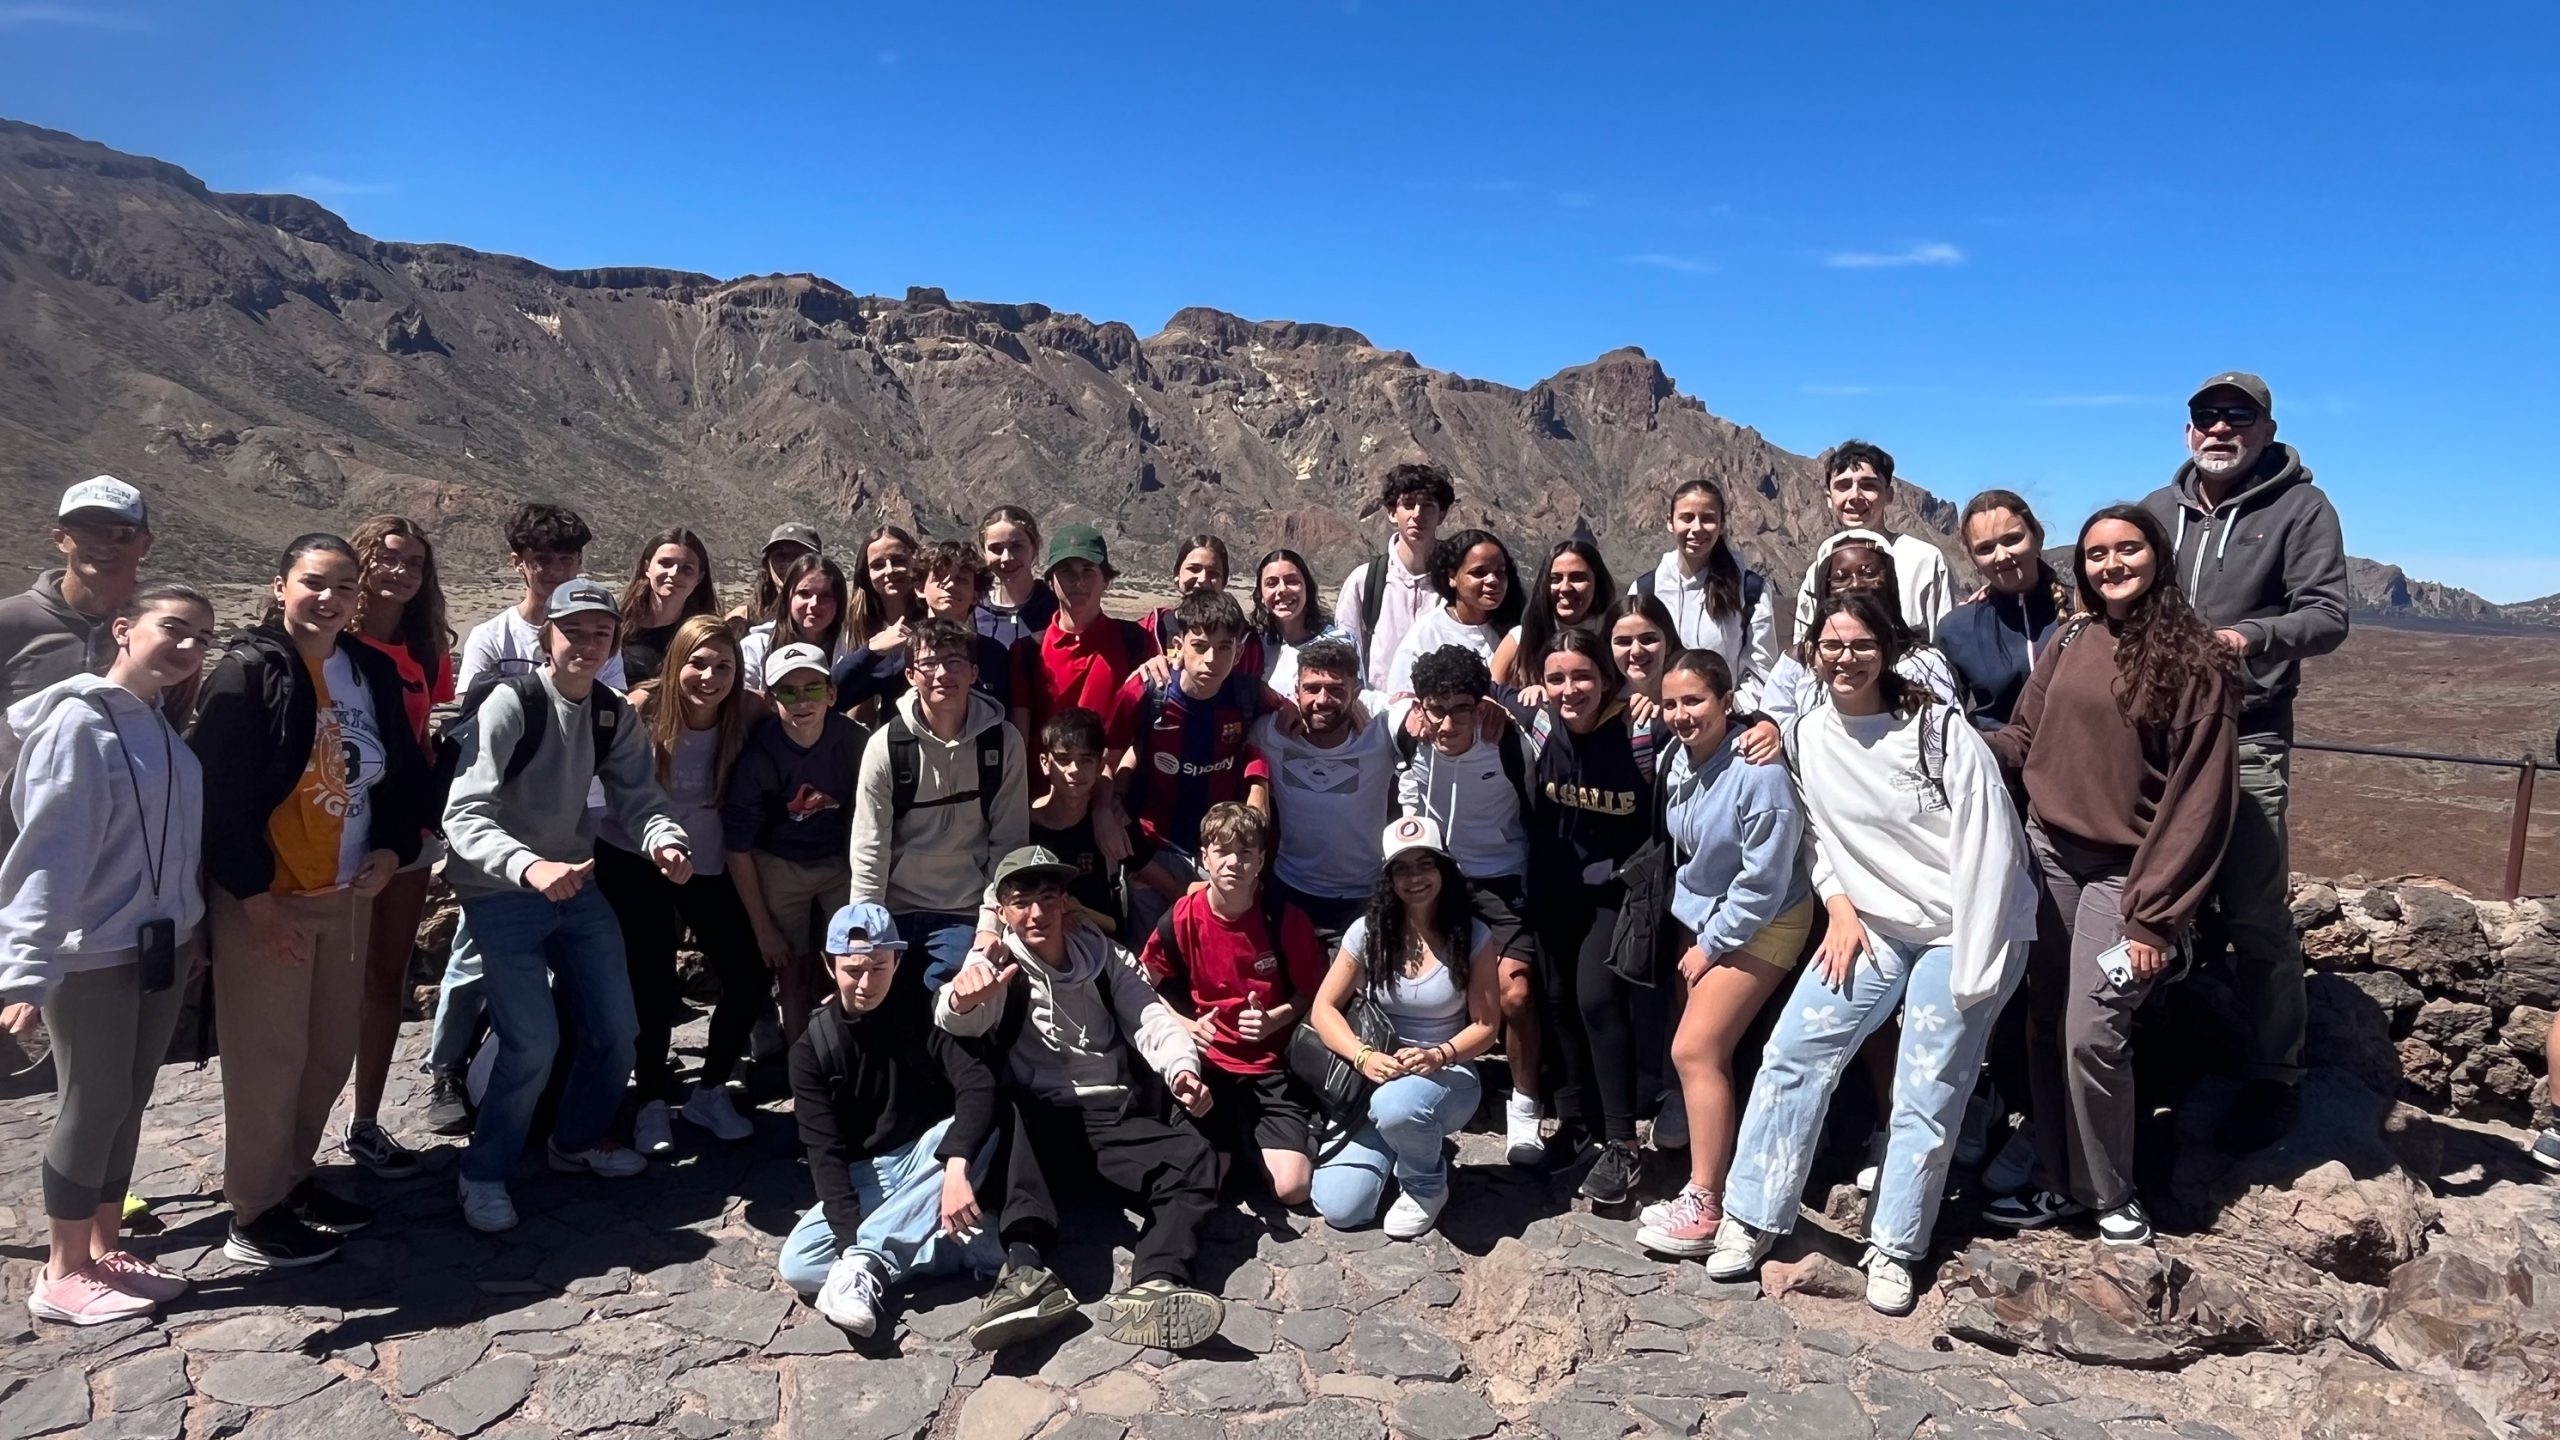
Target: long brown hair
x=703 y=601
x=785 y=632
x=1724 y=570
x=2016 y=504
x=2164 y=649
x=867 y=614
x=663 y=711
x=423 y=627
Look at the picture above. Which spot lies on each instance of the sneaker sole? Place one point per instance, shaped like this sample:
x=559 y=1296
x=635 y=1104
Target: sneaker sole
x=2038 y=1222
x=1177 y=1321
x=341 y=1231
x=449 y=1124
x=251 y=1255
x=2547 y=1162
x=1047 y=1314
x=2127 y=1243
x=1906 y=1308
x=1661 y=1244
x=859 y=1330
x=1527 y=1157
x=47 y=1310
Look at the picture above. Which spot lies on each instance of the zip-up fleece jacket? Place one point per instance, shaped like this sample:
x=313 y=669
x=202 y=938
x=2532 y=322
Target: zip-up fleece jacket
x=1992 y=643
x=253 y=731
x=1076 y=1025
x=2269 y=562
x=43 y=642
x=79 y=881
x=940 y=855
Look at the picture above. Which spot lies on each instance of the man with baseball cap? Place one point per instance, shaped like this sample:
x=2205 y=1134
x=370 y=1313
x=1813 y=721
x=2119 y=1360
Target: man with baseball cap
x=58 y=627
x=2259 y=553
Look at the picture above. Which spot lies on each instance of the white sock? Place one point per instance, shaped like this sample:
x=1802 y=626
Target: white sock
x=1524 y=1106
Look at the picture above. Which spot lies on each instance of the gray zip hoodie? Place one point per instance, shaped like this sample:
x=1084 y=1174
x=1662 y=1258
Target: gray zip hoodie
x=2269 y=562
x=940 y=855
x=79 y=880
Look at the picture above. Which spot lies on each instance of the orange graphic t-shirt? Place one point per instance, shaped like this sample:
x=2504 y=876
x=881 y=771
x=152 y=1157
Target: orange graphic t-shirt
x=321 y=831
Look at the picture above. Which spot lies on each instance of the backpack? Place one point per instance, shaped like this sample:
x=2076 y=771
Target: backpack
x=1752 y=587
x=1511 y=747
x=1373 y=597
x=606 y=712
x=906 y=769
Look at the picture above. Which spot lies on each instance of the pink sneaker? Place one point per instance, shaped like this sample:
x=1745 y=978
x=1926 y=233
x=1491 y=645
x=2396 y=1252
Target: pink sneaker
x=83 y=1298
x=134 y=1275
x=1687 y=1227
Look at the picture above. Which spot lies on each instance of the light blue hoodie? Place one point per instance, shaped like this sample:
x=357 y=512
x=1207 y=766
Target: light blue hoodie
x=78 y=879
x=1739 y=831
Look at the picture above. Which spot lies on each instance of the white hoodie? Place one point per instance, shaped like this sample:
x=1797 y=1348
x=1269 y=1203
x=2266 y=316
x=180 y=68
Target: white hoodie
x=1923 y=584
x=1084 y=1020
x=940 y=855
x=78 y=880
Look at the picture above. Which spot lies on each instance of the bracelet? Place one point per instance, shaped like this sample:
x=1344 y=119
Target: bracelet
x=1362 y=1059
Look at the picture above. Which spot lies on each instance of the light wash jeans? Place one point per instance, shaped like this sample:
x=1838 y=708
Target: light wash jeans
x=459 y=1004
x=524 y=941
x=901 y=1195
x=942 y=938
x=1818 y=1035
x=1408 y=1118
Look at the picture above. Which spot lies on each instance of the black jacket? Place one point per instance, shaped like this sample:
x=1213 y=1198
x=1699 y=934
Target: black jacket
x=1992 y=643
x=864 y=1086
x=253 y=731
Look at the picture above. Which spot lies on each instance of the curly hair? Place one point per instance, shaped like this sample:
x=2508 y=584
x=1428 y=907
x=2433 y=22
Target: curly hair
x=1383 y=946
x=2164 y=650
x=423 y=627
x=1449 y=556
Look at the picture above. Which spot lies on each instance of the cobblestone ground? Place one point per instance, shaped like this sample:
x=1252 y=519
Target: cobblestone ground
x=650 y=1306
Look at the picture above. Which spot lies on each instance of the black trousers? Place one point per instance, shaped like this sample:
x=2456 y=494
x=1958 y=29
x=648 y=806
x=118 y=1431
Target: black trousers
x=654 y=916
x=1330 y=915
x=1575 y=924
x=1161 y=1166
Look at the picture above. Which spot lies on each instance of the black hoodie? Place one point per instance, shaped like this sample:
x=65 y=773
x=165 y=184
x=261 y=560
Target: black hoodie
x=2268 y=562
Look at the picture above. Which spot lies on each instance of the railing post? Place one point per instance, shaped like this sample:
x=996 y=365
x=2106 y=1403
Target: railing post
x=2517 y=831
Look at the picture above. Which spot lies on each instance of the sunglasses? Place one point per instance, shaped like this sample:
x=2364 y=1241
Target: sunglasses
x=2238 y=417
x=794 y=694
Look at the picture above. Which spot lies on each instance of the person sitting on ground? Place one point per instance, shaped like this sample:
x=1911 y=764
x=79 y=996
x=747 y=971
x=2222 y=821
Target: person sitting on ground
x=899 y=1122
x=1093 y=1064
x=1241 y=966
x=1426 y=962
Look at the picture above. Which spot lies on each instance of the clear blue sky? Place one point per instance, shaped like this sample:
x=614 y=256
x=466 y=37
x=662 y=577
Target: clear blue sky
x=2000 y=243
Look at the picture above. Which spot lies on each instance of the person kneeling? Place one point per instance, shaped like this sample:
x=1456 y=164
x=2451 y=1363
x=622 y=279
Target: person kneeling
x=1060 y=1019
x=894 y=1114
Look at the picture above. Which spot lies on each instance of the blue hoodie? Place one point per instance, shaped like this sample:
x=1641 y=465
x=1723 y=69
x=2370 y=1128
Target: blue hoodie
x=79 y=877
x=1993 y=643
x=1739 y=831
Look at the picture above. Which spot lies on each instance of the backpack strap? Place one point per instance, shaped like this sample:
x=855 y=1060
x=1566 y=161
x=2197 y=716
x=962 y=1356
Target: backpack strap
x=1373 y=598
x=1753 y=587
x=606 y=714
x=536 y=701
x=1645 y=583
x=905 y=763
x=1513 y=749
x=2071 y=629
x=990 y=771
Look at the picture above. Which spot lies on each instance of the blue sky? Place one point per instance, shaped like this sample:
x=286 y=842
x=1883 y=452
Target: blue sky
x=2002 y=243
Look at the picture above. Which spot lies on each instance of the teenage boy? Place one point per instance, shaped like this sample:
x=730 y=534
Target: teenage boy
x=1381 y=598
x=1178 y=747
x=943 y=795
x=1084 y=656
x=1060 y=1021
x=57 y=627
x=547 y=546
x=949 y=578
x=787 y=820
x=1857 y=482
x=1241 y=967
x=1477 y=791
x=1331 y=779
x=523 y=856
x=2261 y=558
x=895 y=1114
x=1062 y=818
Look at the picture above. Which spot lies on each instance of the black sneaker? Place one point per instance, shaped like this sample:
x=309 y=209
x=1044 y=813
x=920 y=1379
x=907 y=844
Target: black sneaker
x=2546 y=1149
x=2033 y=1210
x=448 y=1104
x=369 y=1145
x=1565 y=1147
x=278 y=1241
x=1027 y=1300
x=2262 y=1115
x=1612 y=1175
x=323 y=1211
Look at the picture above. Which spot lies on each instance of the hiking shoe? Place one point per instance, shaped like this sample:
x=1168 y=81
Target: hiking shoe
x=1027 y=1300
x=851 y=1296
x=607 y=1159
x=2262 y=1115
x=1612 y=1175
x=1687 y=1225
x=1889 y=1287
x=2545 y=1149
x=2014 y=1168
x=369 y=1145
x=321 y=1210
x=448 y=1108
x=1738 y=1251
x=278 y=1241
x=134 y=1275
x=2125 y=1225
x=1413 y=1216
x=652 y=1133
x=486 y=1206
x=2033 y=1210
x=1163 y=1315
x=1671 y=1122
x=709 y=1107
x=83 y=1297
x=1524 y=1147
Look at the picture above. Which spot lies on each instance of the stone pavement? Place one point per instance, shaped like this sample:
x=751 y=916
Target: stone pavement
x=650 y=1306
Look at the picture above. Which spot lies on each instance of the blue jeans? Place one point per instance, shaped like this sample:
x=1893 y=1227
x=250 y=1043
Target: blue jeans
x=1408 y=1118
x=524 y=941
x=942 y=938
x=1818 y=1034
x=901 y=1195
x=458 y=1004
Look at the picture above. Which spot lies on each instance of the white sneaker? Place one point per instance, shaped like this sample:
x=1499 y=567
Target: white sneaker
x=1526 y=1147
x=1671 y=1122
x=2014 y=1168
x=485 y=1206
x=651 y=1134
x=1889 y=1287
x=2125 y=1225
x=1410 y=1217
x=851 y=1296
x=1874 y=1167
x=1739 y=1251
x=607 y=1159
x=708 y=1106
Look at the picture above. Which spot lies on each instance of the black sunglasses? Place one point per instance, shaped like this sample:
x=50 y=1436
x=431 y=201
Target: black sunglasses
x=2239 y=417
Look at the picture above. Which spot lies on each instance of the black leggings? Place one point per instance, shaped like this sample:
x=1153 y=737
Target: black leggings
x=1575 y=925
x=654 y=915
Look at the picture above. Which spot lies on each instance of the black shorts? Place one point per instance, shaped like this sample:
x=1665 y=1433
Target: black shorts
x=1257 y=1112
x=1499 y=902
x=1329 y=915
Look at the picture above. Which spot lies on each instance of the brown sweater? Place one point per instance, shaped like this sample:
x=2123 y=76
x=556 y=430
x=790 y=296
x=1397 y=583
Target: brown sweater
x=2160 y=796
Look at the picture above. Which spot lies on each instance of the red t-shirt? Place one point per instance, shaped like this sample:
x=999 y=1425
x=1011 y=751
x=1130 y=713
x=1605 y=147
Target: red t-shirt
x=419 y=692
x=1223 y=963
x=1057 y=668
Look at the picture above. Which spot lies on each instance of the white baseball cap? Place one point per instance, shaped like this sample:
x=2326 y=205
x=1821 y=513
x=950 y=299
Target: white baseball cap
x=107 y=497
x=790 y=659
x=1412 y=832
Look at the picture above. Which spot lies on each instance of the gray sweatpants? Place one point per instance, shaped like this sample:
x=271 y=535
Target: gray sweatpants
x=2080 y=1051
x=108 y=1041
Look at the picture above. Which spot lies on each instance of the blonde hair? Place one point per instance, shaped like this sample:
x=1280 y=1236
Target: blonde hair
x=663 y=715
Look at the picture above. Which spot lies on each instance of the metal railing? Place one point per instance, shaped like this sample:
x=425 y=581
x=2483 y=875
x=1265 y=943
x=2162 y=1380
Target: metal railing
x=2520 y=822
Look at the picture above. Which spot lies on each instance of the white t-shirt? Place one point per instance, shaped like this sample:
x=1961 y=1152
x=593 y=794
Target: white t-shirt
x=1408 y=597
x=504 y=644
x=1475 y=804
x=1280 y=658
x=1430 y=1008
x=1431 y=632
x=1327 y=800
x=349 y=716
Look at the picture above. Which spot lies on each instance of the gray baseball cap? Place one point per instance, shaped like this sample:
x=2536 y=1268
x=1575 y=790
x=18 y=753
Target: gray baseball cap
x=581 y=596
x=793 y=534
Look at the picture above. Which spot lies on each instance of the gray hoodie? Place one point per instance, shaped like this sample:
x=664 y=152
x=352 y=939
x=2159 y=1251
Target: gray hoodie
x=2268 y=562
x=940 y=855
x=499 y=829
x=1083 y=1021
x=79 y=878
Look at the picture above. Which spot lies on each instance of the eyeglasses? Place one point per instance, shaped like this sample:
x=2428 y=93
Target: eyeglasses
x=1836 y=649
x=939 y=664
x=2238 y=417
x=1447 y=712
x=794 y=694
x=1870 y=574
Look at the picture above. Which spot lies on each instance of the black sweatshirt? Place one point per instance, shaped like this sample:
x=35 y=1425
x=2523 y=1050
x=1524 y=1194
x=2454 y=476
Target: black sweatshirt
x=869 y=1084
x=1593 y=798
x=792 y=803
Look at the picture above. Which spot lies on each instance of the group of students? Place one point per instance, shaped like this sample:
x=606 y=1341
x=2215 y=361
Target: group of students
x=1038 y=897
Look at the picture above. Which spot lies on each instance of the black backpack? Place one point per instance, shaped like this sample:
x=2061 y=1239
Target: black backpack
x=1752 y=586
x=1373 y=597
x=607 y=712
x=906 y=769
